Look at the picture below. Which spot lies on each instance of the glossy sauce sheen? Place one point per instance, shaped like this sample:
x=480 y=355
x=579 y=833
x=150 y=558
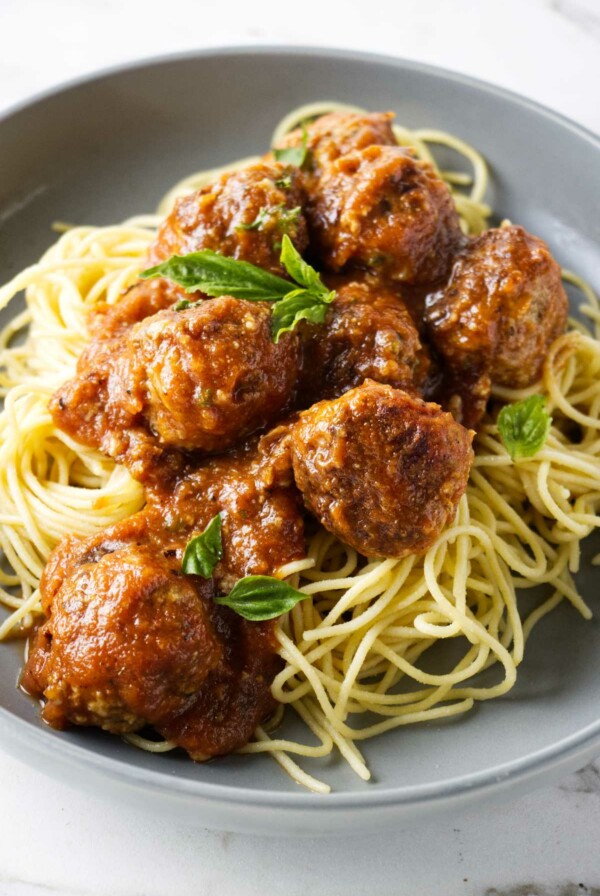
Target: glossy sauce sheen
x=330 y=423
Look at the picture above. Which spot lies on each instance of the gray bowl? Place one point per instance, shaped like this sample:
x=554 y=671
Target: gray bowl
x=104 y=149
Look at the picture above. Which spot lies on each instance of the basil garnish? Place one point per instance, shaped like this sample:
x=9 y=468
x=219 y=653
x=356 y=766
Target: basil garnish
x=524 y=426
x=300 y=304
x=204 y=551
x=263 y=214
x=258 y=598
x=294 y=155
x=284 y=182
x=285 y=218
x=218 y=275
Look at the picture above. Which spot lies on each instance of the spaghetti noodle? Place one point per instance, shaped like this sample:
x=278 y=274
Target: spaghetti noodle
x=356 y=653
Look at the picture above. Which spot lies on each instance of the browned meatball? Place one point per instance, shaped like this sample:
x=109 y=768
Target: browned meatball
x=384 y=209
x=128 y=641
x=495 y=320
x=236 y=696
x=131 y=641
x=199 y=379
x=243 y=215
x=368 y=334
x=211 y=375
x=382 y=470
x=336 y=134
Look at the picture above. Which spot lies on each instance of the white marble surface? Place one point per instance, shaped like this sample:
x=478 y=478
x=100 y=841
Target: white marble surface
x=54 y=839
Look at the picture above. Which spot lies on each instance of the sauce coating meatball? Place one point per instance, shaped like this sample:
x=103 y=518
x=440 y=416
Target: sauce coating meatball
x=383 y=209
x=368 y=334
x=338 y=133
x=200 y=379
x=129 y=641
x=254 y=491
x=499 y=313
x=243 y=215
x=141 y=300
x=211 y=375
x=382 y=470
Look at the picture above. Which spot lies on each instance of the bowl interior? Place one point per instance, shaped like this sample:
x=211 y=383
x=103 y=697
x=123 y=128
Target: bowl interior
x=106 y=149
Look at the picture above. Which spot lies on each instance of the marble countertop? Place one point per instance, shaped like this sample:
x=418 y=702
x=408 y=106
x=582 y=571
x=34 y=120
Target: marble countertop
x=56 y=840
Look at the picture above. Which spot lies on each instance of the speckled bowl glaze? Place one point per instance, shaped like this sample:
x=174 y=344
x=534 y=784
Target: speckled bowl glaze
x=103 y=149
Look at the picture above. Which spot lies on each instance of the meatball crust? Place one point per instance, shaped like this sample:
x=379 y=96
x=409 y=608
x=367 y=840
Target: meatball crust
x=244 y=215
x=128 y=639
x=502 y=308
x=211 y=375
x=368 y=334
x=499 y=313
x=384 y=209
x=338 y=133
x=200 y=379
x=236 y=696
x=380 y=469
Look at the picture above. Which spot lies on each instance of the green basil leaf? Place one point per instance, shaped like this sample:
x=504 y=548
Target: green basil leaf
x=291 y=155
x=288 y=219
x=183 y=305
x=300 y=271
x=284 y=182
x=300 y=304
x=284 y=218
x=258 y=598
x=294 y=155
x=263 y=214
x=204 y=551
x=524 y=426
x=217 y=275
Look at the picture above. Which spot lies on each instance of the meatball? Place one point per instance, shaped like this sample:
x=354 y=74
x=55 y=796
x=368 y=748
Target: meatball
x=211 y=375
x=243 y=215
x=237 y=694
x=334 y=135
x=368 y=334
x=384 y=209
x=496 y=318
x=198 y=379
x=128 y=640
x=382 y=470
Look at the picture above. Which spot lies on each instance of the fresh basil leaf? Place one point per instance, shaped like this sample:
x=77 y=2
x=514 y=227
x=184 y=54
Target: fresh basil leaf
x=300 y=304
x=284 y=218
x=300 y=271
x=183 y=305
x=288 y=219
x=263 y=214
x=524 y=426
x=258 y=598
x=217 y=275
x=294 y=155
x=204 y=551
x=291 y=155
x=284 y=182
